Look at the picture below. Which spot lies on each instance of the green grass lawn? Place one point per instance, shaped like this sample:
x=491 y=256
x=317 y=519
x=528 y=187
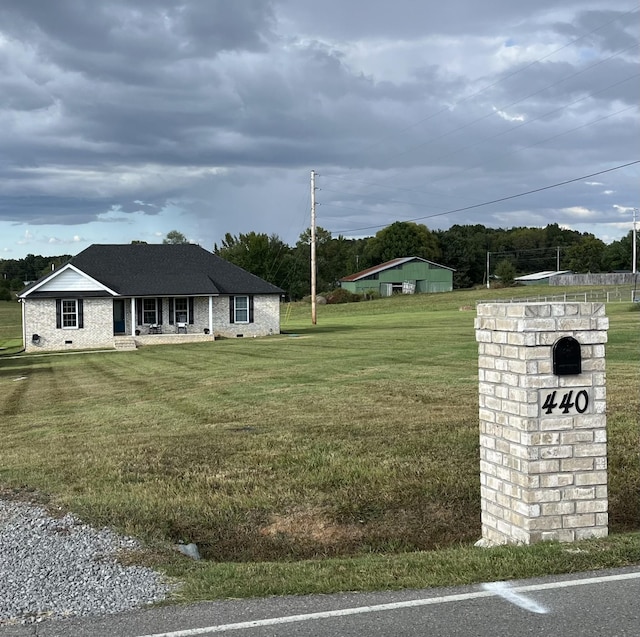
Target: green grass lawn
x=339 y=456
x=10 y=328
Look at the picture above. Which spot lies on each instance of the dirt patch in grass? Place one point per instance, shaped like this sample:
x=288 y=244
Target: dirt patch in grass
x=316 y=532
x=314 y=525
x=24 y=494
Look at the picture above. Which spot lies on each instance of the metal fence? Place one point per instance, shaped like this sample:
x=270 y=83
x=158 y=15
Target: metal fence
x=618 y=295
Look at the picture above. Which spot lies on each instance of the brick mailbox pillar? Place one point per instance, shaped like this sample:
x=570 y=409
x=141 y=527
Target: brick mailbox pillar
x=543 y=453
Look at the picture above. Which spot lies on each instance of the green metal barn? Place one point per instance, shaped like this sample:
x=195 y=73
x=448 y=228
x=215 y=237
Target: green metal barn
x=406 y=275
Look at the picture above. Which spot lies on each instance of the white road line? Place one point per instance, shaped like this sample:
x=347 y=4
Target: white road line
x=504 y=590
x=359 y=610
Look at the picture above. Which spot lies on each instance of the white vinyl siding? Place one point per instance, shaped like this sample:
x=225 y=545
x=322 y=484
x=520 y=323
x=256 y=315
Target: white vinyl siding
x=70 y=281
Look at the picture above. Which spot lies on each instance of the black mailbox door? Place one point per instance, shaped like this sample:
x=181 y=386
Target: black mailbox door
x=567 y=358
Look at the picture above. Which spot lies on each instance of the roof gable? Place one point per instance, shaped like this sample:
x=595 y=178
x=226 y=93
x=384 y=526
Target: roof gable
x=394 y=263
x=66 y=279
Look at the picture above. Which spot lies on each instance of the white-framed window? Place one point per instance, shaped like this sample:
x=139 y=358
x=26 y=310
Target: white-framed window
x=181 y=310
x=241 y=309
x=69 y=313
x=149 y=311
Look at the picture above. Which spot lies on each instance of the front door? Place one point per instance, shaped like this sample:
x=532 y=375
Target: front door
x=118 y=316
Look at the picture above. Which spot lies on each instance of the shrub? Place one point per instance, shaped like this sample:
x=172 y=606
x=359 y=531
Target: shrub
x=506 y=273
x=320 y=299
x=340 y=295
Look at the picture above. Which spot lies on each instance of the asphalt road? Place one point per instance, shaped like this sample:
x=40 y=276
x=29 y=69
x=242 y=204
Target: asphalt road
x=595 y=604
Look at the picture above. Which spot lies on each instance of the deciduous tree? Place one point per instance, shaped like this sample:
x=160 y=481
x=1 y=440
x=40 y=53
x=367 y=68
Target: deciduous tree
x=174 y=236
x=586 y=255
x=619 y=254
x=266 y=256
x=402 y=239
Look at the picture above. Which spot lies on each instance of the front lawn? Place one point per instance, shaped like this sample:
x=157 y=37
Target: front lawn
x=331 y=457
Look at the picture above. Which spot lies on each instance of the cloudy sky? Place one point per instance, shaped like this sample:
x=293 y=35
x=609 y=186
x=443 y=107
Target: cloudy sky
x=121 y=120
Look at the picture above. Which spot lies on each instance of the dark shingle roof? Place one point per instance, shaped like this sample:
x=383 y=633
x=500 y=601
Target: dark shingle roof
x=167 y=270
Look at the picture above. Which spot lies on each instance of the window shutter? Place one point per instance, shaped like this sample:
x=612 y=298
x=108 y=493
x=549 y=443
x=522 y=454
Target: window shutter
x=58 y=313
x=232 y=309
x=80 y=313
x=171 y=311
x=139 y=311
x=251 y=309
x=159 y=316
x=191 y=317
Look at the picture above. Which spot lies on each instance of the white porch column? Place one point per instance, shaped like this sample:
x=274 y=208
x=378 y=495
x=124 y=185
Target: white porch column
x=24 y=324
x=133 y=317
x=211 y=315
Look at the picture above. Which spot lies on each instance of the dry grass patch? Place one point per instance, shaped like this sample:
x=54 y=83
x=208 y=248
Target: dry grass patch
x=316 y=526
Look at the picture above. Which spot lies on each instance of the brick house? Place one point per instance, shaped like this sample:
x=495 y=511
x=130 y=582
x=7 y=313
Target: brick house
x=124 y=296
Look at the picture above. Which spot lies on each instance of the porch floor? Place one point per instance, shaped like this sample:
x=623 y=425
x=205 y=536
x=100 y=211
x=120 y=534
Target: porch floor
x=162 y=339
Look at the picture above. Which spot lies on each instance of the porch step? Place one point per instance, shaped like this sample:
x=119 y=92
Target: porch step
x=123 y=343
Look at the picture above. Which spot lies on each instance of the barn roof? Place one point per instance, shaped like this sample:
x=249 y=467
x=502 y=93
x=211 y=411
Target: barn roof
x=387 y=265
x=541 y=276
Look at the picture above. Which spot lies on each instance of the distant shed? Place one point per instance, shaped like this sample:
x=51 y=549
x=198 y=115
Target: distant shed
x=406 y=275
x=540 y=278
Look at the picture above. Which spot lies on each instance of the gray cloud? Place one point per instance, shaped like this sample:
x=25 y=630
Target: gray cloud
x=217 y=112
x=404 y=19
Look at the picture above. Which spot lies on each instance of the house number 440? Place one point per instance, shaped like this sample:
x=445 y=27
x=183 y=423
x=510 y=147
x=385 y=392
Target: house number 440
x=567 y=402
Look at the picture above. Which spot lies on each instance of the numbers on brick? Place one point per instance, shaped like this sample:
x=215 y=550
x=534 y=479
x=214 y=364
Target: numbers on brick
x=582 y=401
x=550 y=403
x=568 y=404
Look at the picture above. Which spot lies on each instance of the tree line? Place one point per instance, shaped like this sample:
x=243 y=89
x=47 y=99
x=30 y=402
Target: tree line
x=14 y=273
x=467 y=249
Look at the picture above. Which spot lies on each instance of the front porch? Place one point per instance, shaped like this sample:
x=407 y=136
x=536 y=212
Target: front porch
x=161 y=339
x=157 y=317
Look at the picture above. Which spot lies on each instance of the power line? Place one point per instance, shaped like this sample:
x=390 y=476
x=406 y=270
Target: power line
x=516 y=251
x=499 y=200
x=518 y=101
x=513 y=128
x=547 y=139
x=529 y=121
x=510 y=130
x=599 y=119
x=497 y=82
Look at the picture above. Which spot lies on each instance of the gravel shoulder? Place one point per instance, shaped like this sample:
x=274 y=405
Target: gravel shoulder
x=57 y=568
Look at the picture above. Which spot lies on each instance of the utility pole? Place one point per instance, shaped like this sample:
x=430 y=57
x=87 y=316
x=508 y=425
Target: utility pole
x=488 y=256
x=634 y=267
x=558 y=259
x=313 y=247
